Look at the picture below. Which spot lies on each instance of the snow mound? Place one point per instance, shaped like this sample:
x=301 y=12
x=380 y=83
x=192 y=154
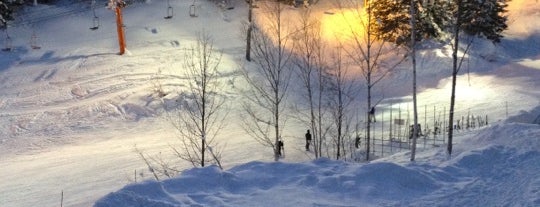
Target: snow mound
x=532 y=116
x=497 y=167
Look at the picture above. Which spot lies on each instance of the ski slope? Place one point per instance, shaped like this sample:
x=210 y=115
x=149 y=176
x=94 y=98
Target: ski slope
x=73 y=112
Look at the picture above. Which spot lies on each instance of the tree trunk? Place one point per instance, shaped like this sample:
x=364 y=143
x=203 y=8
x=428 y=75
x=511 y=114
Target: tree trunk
x=368 y=63
x=454 y=77
x=250 y=28
x=413 y=58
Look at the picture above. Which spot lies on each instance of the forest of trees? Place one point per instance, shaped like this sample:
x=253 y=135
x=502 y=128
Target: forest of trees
x=276 y=54
x=5 y=12
x=386 y=29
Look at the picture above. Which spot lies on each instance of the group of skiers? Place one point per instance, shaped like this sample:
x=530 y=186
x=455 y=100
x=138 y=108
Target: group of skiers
x=308 y=137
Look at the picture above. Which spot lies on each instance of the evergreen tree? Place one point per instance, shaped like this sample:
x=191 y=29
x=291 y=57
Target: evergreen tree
x=436 y=18
x=484 y=18
x=5 y=13
x=392 y=20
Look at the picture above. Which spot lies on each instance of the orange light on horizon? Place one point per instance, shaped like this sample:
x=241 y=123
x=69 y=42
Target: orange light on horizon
x=343 y=26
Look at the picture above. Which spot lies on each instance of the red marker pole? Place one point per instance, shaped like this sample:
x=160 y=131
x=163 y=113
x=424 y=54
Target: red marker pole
x=120 y=29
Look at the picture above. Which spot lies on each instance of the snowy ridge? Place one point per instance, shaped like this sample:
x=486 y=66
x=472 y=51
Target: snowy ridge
x=499 y=169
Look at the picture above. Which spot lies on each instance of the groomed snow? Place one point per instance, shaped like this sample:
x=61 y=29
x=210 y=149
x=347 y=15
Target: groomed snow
x=72 y=113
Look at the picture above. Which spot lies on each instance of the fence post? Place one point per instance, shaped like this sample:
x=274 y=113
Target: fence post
x=399 y=130
x=435 y=124
x=444 y=125
x=382 y=132
x=391 y=123
x=506 y=106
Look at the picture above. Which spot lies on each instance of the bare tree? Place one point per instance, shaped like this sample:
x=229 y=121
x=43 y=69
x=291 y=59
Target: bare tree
x=413 y=60
x=249 y=30
x=375 y=58
x=268 y=79
x=340 y=95
x=483 y=19
x=201 y=117
x=310 y=60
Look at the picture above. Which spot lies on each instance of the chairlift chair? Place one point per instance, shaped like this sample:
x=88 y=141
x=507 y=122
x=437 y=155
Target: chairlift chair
x=95 y=20
x=33 y=42
x=192 y=11
x=170 y=12
x=95 y=23
x=7 y=44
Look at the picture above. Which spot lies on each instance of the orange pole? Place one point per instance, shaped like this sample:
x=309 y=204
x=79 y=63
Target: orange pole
x=120 y=29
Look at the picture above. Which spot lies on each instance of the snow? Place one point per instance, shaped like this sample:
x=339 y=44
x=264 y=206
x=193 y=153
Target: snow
x=501 y=173
x=73 y=112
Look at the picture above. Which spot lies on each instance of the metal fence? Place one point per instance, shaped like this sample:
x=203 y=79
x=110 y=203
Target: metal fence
x=392 y=130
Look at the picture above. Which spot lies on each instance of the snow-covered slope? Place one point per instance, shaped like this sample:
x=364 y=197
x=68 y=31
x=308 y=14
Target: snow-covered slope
x=496 y=167
x=72 y=112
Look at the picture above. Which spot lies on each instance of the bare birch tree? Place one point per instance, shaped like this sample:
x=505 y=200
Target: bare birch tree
x=413 y=60
x=477 y=19
x=375 y=57
x=341 y=95
x=310 y=61
x=201 y=117
x=268 y=78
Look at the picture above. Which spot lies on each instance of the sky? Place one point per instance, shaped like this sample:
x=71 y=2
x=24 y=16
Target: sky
x=73 y=112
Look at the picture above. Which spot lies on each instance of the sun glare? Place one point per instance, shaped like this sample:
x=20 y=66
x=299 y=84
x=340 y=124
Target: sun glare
x=343 y=25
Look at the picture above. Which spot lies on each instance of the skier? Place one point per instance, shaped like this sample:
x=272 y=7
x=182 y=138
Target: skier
x=357 y=142
x=280 y=147
x=308 y=140
x=418 y=132
x=372 y=115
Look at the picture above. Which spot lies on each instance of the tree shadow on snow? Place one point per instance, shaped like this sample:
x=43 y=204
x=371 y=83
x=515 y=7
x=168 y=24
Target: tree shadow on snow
x=49 y=58
x=522 y=48
x=12 y=56
x=532 y=116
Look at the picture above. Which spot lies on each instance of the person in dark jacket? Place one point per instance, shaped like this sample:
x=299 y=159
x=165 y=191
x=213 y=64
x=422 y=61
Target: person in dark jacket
x=280 y=147
x=357 y=142
x=372 y=115
x=308 y=140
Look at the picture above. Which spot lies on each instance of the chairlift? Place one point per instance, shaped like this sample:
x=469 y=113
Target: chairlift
x=33 y=42
x=228 y=5
x=95 y=23
x=170 y=12
x=95 y=20
x=7 y=43
x=192 y=10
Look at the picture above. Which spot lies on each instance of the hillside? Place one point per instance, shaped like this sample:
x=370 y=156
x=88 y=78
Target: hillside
x=72 y=113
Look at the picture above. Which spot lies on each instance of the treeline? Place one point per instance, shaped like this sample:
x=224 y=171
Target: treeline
x=7 y=7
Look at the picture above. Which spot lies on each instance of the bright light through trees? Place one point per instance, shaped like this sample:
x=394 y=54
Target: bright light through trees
x=343 y=25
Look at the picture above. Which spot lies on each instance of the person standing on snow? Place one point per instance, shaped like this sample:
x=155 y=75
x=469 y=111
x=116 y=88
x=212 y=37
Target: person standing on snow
x=308 y=140
x=372 y=115
x=280 y=147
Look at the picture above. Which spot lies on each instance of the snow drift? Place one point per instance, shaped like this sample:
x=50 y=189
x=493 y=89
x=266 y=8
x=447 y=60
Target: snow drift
x=496 y=167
